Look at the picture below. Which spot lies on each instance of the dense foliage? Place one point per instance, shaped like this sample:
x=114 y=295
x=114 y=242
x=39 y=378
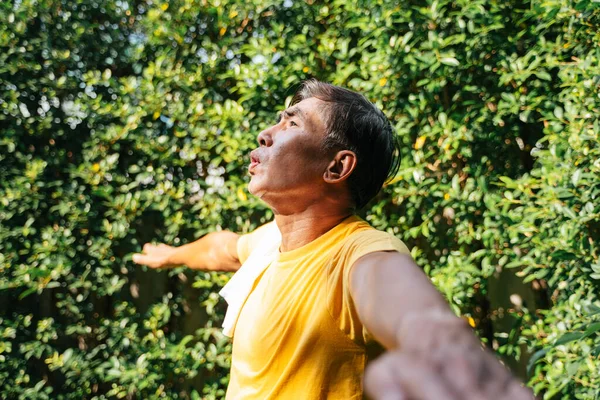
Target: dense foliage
x=129 y=121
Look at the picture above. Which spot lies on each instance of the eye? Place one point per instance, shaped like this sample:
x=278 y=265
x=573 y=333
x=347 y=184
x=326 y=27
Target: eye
x=292 y=123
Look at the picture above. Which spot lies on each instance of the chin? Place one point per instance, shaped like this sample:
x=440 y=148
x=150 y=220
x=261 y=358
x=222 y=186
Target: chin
x=258 y=188
x=254 y=187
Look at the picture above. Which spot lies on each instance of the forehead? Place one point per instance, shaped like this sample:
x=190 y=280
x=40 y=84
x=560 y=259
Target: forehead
x=311 y=110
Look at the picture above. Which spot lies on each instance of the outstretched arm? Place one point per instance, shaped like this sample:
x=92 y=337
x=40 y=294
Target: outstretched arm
x=433 y=354
x=216 y=251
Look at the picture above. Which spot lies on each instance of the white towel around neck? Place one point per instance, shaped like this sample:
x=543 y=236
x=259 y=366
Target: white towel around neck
x=237 y=290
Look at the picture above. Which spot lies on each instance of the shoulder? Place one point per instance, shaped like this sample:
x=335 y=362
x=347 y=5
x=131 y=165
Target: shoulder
x=372 y=239
x=367 y=241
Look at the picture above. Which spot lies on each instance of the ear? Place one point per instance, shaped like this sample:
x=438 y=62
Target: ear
x=340 y=168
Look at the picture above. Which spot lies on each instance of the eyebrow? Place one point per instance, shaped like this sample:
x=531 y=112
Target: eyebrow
x=291 y=112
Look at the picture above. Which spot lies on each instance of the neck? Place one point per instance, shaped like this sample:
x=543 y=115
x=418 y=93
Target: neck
x=302 y=228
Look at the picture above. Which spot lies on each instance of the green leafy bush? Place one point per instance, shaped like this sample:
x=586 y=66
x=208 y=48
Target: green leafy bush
x=125 y=122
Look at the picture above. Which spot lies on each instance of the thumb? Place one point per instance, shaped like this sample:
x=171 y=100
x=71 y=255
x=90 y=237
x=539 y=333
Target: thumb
x=400 y=376
x=380 y=382
x=142 y=259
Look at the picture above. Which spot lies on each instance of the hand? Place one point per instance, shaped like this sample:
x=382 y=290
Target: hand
x=155 y=256
x=440 y=358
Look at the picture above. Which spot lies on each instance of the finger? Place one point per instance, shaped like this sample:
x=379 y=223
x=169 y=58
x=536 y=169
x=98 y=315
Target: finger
x=516 y=391
x=493 y=377
x=147 y=247
x=143 y=260
x=473 y=374
x=404 y=376
x=476 y=374
x=459 y=369
x=380 y=381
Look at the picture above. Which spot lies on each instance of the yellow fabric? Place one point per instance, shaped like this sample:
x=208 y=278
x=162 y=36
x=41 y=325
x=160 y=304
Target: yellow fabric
x=298 y=335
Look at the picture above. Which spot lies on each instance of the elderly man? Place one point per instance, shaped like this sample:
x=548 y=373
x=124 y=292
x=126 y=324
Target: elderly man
x=319 y=289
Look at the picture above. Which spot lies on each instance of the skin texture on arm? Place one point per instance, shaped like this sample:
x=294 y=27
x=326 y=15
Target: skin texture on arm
x=387 y=286
x=216 y=251
x=433 y=354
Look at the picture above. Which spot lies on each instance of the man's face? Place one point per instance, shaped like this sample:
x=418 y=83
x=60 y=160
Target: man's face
x=289 y=163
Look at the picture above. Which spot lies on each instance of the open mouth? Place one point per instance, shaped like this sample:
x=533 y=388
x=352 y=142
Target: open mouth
x=254 y=161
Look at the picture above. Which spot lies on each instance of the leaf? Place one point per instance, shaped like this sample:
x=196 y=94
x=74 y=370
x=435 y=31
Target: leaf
x=186 y=340
x=27 y=293
x=534 y=358
x=576 y=176
x=419 y=142
x=572 y=368
x=141 y=361
x=558 y=112
x=406 y=38
x=593 y=328
x=543 y=75
x=568 y=337
x=592 y=309
x=67 y=355
x=450 y=61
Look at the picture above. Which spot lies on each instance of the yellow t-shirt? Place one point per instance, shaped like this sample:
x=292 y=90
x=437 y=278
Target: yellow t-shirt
x=298 y=335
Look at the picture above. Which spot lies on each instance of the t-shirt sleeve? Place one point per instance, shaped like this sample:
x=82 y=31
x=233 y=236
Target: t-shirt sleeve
x=250 y=241
x=340 y=301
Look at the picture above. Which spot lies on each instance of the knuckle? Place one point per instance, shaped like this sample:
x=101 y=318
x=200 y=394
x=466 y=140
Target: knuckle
x=384 y=375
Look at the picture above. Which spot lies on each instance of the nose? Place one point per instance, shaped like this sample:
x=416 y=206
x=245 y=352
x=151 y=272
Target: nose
x=264 y=138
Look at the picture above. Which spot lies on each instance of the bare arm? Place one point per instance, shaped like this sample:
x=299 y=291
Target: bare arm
x=434 y=354
x=216 y=251
x=388 y=286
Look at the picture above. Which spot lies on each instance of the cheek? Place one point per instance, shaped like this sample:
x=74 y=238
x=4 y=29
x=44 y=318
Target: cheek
x=299 y=156
x=298 y=167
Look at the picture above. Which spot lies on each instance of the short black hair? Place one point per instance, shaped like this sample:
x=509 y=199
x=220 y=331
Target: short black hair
x=353 y=123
